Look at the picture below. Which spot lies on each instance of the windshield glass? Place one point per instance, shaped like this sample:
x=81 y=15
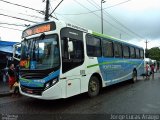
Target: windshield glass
x=26 y=47
x=40 y=53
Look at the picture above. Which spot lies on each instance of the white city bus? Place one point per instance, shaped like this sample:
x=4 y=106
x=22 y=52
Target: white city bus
x=60 y=60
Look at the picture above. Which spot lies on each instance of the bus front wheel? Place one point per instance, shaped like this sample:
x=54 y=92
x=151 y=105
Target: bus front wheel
x=93 y=86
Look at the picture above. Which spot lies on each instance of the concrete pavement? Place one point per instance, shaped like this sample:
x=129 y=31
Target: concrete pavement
x=4 y=89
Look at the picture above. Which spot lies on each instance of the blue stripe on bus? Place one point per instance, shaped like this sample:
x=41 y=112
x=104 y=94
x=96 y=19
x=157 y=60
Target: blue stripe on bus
x=119 y=69
x=39 y=82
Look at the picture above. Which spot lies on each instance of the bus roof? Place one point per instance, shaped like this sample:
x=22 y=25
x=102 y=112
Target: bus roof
x=114 y=39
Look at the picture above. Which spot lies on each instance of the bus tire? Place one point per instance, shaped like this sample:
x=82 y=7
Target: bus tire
x=134 y=76
x=93 y=86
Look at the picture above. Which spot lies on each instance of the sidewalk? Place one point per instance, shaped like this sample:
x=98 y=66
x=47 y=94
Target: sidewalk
x=4 y=89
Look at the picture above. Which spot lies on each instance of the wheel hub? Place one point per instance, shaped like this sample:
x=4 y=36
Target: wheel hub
x=93 y=86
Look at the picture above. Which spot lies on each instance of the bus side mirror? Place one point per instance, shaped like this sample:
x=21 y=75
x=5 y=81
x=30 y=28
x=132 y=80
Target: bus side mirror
x=70 y=46
x=16 y=51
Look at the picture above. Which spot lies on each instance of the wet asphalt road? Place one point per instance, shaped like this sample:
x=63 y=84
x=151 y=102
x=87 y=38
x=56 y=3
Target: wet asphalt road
x=142 y=97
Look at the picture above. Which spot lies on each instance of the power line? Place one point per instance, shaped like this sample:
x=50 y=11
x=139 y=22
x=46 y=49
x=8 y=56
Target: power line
x=113 y=18
x=100 y=18
x=18 y=18
x=22 y=6
x=70 y=20
x=56 y=7
x=12 y=24
x=105 y=19
x=113 y=5
x=94 y=4
x=118 y=22
x=94 y=10
x=50 y=15
x=53 y=13
x=30 y=15
x=34 y=16
x=39 y=11
x=11 y=28
x=118 y=4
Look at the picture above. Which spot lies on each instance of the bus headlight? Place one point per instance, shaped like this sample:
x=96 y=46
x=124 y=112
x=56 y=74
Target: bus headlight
x=47 y=85
x=51 y=83
x=54 y=81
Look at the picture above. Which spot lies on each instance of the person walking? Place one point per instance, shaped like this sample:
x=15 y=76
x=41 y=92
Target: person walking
x=157 y=66
x=152 y=70
x=147 y=71
x=11 y=76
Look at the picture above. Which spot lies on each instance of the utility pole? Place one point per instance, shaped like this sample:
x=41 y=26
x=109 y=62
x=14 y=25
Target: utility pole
x=102 y=1
x=47 y=11
x=146 y=43
x=146 y=51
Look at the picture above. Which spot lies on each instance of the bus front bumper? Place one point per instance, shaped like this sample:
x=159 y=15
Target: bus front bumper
x=54 y=92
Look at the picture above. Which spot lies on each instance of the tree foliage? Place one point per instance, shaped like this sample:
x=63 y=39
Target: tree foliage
x=153 y=53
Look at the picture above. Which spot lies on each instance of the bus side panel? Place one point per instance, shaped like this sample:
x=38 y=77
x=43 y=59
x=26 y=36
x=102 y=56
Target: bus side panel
x=72 y=81
x=140 y=67
x=115 y=70
x=72 y=87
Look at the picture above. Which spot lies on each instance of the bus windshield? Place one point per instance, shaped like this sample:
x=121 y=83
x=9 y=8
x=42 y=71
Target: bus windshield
x=38 y=53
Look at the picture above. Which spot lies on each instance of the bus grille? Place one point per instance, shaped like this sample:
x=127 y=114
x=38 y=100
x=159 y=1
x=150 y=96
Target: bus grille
x=33 y=75
x=35 y=90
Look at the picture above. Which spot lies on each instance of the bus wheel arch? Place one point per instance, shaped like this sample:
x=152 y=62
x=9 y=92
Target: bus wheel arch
x=94 y=85
x=134 y=75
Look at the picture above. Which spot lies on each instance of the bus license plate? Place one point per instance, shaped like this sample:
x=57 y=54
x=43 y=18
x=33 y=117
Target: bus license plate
x=29 y=91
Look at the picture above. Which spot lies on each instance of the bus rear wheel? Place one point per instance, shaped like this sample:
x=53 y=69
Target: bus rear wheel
x=93 y=87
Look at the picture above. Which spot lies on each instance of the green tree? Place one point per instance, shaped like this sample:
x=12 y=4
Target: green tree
x=153 y=53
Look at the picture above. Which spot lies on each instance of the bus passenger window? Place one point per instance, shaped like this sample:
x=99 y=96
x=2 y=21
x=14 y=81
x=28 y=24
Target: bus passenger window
x=117 y=50
x=137 y=53
x=132 y=52
x=125 y=51
x=107 y=48
x=93 y=46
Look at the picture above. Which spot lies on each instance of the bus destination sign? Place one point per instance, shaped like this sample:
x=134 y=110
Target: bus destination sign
x=39 y=29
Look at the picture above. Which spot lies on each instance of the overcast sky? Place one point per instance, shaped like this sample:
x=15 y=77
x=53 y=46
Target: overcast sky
x=132 y=20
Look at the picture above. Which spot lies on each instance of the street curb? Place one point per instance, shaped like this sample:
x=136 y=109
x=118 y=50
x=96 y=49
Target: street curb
x=4 y=94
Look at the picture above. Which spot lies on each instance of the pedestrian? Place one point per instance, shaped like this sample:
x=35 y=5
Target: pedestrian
x=147 y=71
x=16 y=84
x=11 y=76
x=152 y=70
x=157 y=66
